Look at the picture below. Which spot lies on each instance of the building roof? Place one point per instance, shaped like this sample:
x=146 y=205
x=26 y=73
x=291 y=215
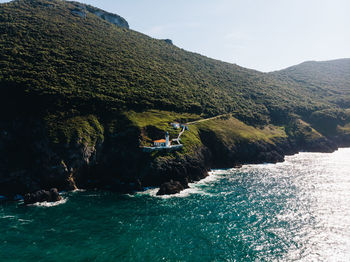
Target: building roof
x=159 y=141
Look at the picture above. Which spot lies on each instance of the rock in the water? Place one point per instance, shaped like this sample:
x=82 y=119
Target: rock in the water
x=184 y=182
x=55 y=196
x=170 y=188
x=42 y=196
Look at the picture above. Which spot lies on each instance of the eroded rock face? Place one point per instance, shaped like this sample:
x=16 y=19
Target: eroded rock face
x=170 y=188
x=82 y=10
x=112 y=18
x=28 y=162
x=81 y=13
x=42 y=196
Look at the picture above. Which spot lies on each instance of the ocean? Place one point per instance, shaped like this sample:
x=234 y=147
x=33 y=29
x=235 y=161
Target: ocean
x=298 y=210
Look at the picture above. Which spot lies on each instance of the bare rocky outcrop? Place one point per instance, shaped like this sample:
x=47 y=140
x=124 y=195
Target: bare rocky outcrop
x=168 y=41
x=109 y=17
x=170 y=188
x=82 y=11
x=42 y=196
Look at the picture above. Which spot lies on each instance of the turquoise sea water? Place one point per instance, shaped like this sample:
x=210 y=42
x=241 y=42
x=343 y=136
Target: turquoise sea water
x=298 y=210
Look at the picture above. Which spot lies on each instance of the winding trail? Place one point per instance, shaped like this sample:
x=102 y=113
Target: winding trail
x=183 y=130
x=206 y=119
x=178 y=137
x=194 y=122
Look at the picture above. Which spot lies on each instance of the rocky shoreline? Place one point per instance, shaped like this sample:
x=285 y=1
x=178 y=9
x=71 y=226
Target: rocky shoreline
x=253 y=153
x=108 y=167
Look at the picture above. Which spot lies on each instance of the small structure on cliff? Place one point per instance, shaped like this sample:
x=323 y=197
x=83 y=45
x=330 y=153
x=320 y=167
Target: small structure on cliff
x=175 y=125
x=162 y=144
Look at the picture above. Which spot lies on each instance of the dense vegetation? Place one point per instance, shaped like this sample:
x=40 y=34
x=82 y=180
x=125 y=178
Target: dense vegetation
x=69 y=63
x=328 y=78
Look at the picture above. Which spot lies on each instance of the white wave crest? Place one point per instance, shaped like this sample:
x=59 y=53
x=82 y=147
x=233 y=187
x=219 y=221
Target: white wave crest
x=79 y=190
x=50 y=204
x=194 y=188
x=8 y=217
x=185 y=193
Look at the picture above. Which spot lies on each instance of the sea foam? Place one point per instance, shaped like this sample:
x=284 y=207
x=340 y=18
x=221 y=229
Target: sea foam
x=50 y=204
x=194 y=188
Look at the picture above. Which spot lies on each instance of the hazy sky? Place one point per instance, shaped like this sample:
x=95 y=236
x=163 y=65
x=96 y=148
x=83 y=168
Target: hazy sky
x=261 y=34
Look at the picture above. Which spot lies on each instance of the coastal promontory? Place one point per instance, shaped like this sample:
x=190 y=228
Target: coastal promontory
x=82 y=95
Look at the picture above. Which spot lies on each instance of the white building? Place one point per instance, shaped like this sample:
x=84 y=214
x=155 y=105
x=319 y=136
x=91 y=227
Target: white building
x=163 y=142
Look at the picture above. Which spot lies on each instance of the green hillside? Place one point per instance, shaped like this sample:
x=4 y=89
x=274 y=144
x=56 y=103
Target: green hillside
x=325 y=81
x=80 y=92
x=328 y=79
x=333 y=75
x=64 y=60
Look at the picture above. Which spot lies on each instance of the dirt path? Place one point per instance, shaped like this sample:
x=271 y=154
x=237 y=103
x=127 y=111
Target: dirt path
x=206 y=119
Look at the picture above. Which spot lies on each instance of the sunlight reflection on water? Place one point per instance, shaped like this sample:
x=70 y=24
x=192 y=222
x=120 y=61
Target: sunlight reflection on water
x=321 y=216
x=298 y=210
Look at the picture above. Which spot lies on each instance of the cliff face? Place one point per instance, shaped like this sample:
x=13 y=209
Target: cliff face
x=82 y=10
x=31 y=160
x=109 y=17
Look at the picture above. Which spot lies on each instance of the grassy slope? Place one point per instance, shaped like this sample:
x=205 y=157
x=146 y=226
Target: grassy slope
x=230 y=129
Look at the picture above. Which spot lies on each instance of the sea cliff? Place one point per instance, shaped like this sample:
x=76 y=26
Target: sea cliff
x=81 y=94
x=109 y=156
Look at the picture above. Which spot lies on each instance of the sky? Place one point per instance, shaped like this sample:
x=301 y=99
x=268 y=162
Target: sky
x=265 y=35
